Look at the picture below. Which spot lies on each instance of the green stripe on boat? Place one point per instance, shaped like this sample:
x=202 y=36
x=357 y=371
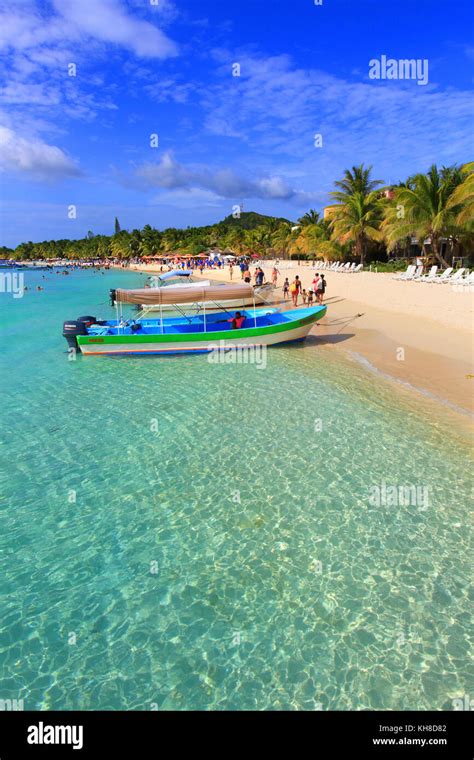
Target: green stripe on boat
x=249 y=332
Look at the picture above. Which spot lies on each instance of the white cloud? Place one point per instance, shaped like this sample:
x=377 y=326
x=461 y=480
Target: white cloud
x=23 y=27
x=37 y=94
x=225 y=183
x=188 y=198
x=275 y=108
x=109 y=21
x=33 y=157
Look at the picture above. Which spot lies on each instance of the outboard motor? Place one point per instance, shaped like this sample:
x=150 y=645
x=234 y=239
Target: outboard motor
x=71 y=329
x=112 y=294
x=88 y=321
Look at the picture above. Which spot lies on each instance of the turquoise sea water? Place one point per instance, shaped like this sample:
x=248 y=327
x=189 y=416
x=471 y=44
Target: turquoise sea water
x=181 y=535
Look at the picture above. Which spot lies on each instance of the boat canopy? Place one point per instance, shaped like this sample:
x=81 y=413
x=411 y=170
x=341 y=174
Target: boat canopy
x=176 y=273
x=171 y=295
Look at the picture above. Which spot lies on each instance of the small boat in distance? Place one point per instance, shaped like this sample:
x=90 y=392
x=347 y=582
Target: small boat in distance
x=201 y=332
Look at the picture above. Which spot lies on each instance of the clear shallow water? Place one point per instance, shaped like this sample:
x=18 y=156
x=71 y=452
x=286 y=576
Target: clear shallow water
x=278 y=584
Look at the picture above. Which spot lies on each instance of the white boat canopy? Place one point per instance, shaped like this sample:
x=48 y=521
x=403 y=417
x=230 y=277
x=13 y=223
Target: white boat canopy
x=175 y=273
x=171 y=295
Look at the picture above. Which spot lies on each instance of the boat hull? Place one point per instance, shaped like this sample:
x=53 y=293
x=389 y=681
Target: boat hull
x=270 y=335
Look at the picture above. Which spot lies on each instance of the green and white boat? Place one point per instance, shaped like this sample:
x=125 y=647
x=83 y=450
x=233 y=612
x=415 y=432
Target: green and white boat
x=201 y=331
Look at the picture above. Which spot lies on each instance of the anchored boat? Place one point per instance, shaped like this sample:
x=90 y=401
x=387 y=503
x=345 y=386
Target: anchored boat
x=184 y=278
x=199 y=332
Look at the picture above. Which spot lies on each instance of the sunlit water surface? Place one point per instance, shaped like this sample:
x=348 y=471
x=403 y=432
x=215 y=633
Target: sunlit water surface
x=181 y=535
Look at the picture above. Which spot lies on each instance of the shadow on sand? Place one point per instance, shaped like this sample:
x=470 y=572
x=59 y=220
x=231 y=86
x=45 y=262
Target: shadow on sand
x=321 y=340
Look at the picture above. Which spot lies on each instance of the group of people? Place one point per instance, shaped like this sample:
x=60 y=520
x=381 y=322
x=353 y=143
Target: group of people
x=295 y=289
x=246 y=276
x=315 y=294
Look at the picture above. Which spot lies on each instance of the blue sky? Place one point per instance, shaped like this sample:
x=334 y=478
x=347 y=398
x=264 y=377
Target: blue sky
x=145 y=67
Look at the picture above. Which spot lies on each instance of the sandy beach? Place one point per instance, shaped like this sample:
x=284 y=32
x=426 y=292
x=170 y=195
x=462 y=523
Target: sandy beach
x=373 y=316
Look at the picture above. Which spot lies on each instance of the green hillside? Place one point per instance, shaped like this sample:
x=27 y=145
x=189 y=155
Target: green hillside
x=249 y=220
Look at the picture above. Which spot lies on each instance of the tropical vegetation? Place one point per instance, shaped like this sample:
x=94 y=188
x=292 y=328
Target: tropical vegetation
x=430 y=213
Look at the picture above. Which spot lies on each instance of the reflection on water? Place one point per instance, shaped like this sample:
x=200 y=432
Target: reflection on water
x=198 y=536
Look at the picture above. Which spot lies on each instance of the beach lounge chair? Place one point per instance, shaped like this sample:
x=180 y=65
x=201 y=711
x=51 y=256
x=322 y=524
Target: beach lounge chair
x=456 y=277
x=467 y=280
x=444 y=276
x=409 y=271
x=430 y=276
x=357 y=269
x=416 y=274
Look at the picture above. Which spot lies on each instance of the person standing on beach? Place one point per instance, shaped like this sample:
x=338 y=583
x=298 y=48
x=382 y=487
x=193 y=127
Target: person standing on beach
x=259 y=277
x=286 y=288
x=231 y=270
x=275 y=274
x=321 y=289
x=295 y=289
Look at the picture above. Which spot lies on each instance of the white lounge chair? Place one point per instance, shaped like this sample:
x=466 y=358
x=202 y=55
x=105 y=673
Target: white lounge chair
x=444 y=276
x=409 y=271
x=357 y=268
x=467 y=280
x=456 y=277
x=416 y=274
x=430 y=276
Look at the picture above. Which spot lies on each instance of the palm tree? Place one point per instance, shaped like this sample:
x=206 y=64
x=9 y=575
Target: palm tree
x=235 y=239
x=331 y=250
x=311 y=217
x=282 y=239
x=258 y=240
x=357 y=215
x=357 y=220
x=120 y=245
x=150 y=241
x=427 y=208
x=309 y=239
x=463 y=196
x=357 y=180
